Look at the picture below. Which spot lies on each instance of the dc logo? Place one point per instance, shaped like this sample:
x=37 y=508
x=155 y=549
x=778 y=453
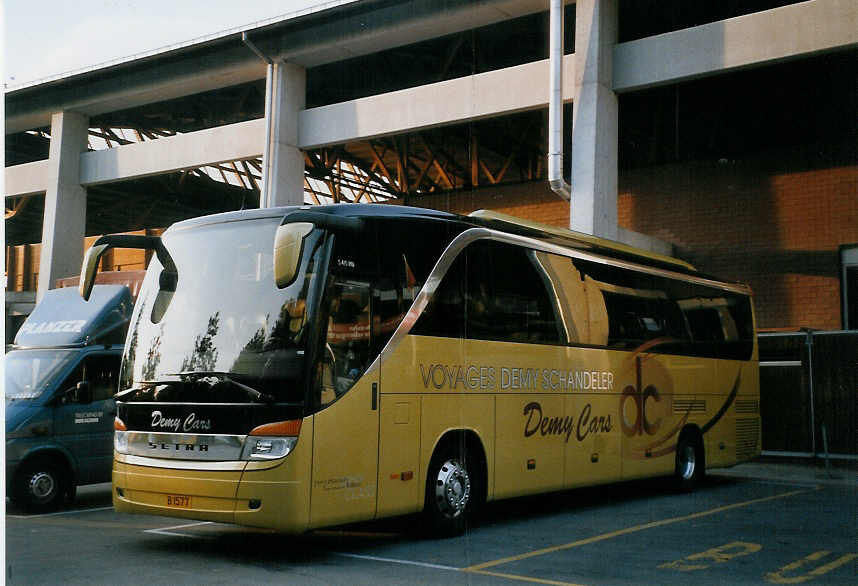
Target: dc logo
x=633 y=407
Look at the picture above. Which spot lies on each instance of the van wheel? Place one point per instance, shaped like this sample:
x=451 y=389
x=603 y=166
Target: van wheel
x=689 y=463
x=40 y=486
x=450 y=492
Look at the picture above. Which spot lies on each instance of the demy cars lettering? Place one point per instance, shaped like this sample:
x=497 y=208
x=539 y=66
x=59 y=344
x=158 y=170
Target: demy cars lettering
x=191 y=423
x=564 y=425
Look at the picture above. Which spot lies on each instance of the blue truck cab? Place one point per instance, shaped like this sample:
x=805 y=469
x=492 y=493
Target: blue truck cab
x=60 y=378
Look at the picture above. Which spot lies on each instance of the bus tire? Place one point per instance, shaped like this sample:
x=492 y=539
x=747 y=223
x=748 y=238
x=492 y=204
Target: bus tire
x=690 y=465
x=41 y=485
x=451 y=491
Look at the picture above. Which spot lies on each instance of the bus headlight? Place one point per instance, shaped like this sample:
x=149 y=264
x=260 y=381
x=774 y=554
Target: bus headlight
x=267 y=448
x=271 y=440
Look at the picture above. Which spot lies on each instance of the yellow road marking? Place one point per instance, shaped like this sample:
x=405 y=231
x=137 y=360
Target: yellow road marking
x=779 y=578
x=522 y=578
x=627 y=530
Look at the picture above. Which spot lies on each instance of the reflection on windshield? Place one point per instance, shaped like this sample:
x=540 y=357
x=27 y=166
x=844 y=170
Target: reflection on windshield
x=30 y=372
x=204 y=355
x=226 y=315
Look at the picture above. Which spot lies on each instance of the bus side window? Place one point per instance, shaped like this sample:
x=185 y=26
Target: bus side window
x=720 y=323
x=493 y=291
x=445 y=314
x=347 y=342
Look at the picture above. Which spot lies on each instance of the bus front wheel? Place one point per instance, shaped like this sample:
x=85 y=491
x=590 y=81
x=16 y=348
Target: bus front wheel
x=450 y=491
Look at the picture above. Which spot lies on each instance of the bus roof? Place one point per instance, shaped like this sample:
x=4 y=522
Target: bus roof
x=351 y=210
x=507 y=223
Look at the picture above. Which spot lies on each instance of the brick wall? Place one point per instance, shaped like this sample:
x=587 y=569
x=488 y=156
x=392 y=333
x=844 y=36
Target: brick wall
x=776 y=229
x=531 y=201
x=22 y=261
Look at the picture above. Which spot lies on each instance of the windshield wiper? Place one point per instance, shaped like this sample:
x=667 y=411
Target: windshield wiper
x=250 y=391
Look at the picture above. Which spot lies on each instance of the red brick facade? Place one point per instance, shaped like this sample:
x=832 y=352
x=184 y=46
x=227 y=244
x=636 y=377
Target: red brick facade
x=777 y=230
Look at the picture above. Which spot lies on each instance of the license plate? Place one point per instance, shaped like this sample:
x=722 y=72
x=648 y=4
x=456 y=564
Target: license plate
x=180 y=501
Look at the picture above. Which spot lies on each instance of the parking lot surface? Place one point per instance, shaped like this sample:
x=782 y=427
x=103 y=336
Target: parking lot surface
x=753 y=524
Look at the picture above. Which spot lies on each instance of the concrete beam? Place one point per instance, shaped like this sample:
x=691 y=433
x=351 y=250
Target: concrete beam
x=27 y=179
x=32 y=107
x=311 y=38
x=377 y=26
x=645 y=242
x=283 y=161
x=505 y=91
x=593 y=207
x=524 y=87
x=792 y=31
x=65 y=202
x=243 y=140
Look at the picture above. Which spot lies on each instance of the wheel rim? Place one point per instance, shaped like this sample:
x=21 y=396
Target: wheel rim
x=687 y=461
x=452 y=489
x=42 y=486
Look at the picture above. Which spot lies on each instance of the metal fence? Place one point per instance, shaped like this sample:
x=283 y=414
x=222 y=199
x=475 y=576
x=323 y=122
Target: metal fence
x=809 y=394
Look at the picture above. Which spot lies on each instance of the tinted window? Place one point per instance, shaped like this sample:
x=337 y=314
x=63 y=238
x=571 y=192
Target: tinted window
x=407 y=252
x=682 y=317
x=493 y=291
x=346 y=354
x=395 y=256
x=375 y=276
x=636 y=319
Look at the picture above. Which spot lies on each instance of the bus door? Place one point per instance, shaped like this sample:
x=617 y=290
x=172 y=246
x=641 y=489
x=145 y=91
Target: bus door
x=345 y=430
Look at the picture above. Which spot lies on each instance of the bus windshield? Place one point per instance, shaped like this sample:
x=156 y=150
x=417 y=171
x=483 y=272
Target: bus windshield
x=218 y=330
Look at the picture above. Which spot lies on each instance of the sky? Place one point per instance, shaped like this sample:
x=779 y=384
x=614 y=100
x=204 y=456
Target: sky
x=45 y=38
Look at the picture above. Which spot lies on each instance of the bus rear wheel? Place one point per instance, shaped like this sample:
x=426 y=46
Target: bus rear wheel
x=450 y=492
x=690 y=466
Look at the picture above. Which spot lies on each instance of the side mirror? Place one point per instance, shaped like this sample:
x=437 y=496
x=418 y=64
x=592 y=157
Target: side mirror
x=288 y=245
x=89 y=268
x=100 y=246
x=82 y=393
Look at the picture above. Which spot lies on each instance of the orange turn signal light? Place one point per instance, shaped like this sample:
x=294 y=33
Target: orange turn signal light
x=119 y=425
x=289 y=428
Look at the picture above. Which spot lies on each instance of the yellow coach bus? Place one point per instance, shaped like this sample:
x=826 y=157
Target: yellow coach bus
x=295 y=368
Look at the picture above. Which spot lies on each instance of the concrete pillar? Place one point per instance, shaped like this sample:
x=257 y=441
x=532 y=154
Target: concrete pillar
x=594 y=120
x=65 y=202
x=283 y=174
